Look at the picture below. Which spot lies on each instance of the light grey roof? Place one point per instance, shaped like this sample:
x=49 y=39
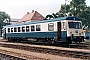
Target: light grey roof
x=51 y=20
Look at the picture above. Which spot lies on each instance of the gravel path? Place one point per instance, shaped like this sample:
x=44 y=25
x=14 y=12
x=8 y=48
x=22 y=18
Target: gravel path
x=34 y=55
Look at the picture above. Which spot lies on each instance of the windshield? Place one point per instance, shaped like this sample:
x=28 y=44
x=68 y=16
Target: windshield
x=75 y=25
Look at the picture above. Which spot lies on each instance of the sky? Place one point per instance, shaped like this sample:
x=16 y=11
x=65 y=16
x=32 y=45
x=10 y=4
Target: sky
x=18 y=8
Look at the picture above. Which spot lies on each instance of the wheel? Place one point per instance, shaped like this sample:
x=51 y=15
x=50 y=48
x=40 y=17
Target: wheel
x=18 y=40
x=9 y=39
x=52 y=42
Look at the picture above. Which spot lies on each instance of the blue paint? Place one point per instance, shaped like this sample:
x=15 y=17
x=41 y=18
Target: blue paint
x=33 y=34
x=64 y=34
x=37 y=34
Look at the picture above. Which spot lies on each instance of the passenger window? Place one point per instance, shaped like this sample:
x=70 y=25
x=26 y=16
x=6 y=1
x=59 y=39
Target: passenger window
x=18 y=29
x=51 y=27
x=15 y=29
x=63 y=26
x=8 y=29
x=11 y=29
x=27 y=28
x=33 y=28
x=23 y=29
x=38 y=28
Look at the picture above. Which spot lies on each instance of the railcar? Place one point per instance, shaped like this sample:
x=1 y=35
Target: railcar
x=64 y=29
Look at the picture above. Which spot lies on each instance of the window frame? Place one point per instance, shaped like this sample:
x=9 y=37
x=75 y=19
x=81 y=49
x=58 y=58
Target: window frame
x=15 y=29
x=8 y=30
x=63 y=25
x=38 y=28
x=51 y=27
x=23 y=28
x=11 y=29
x=75 y=25
x=27 y=28
x=19 y=29
x=33 y=28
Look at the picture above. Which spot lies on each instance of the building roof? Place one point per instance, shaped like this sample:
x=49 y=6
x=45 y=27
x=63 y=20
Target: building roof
x=33 y=16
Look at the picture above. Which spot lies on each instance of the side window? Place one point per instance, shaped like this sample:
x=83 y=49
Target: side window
x=8 y=29
x=51 y=27
x=18 y=29
x=32 y=28
x=11 y=29
x=23 y=29
x=63 y=26
x=38 y=28
x=15 y=29
x=27 y=28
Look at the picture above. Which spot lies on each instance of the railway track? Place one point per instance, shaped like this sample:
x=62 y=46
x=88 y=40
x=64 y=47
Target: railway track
x=85 y=45
x=54 y=51
x=8 y=55
x=81 y=46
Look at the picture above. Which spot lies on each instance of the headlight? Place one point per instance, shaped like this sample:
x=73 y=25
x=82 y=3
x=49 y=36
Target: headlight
x=76 y=31
x=82 y=33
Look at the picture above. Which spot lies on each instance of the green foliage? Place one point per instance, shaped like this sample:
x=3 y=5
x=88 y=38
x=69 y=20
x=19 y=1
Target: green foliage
x=62 y=10
x=4 y=19
x=75 y=8
x=49 y=17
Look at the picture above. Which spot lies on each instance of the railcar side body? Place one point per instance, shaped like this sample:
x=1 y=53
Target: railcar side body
x=66 y=29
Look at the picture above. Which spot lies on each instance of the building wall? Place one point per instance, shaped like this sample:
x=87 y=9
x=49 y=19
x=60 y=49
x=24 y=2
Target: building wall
x=14 y=20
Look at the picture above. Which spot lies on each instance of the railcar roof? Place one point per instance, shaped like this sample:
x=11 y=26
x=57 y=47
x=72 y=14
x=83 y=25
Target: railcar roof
x=50 y=20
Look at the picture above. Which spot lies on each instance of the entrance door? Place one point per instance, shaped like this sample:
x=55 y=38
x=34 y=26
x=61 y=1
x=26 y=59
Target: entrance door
x=59 y=30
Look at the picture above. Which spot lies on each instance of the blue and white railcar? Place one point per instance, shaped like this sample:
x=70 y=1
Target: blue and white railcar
x=65 y=29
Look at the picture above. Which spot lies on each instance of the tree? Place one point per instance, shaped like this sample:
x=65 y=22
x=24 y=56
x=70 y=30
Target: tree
x=49 y=16
x=75 y=8
x=4 y=19
x=60 y=13
x=54 y=15
x=81 y=10
x=62 y=10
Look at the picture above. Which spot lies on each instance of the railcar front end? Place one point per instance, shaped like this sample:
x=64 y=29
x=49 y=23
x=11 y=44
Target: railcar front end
x=70 y=30
x=74 y=31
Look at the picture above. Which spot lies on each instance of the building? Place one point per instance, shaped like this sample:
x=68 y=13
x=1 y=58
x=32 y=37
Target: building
x=30 y=17
x=14 y=20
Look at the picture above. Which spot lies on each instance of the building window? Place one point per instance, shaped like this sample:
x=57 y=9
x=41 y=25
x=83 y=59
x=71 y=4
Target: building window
x=11 y=29
x=33 y=28
x=38 y=28
x=8 y=29
x=23 y=29
x=27 y=28
x=18 y=29
x=15 y=29
x=51 y=27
